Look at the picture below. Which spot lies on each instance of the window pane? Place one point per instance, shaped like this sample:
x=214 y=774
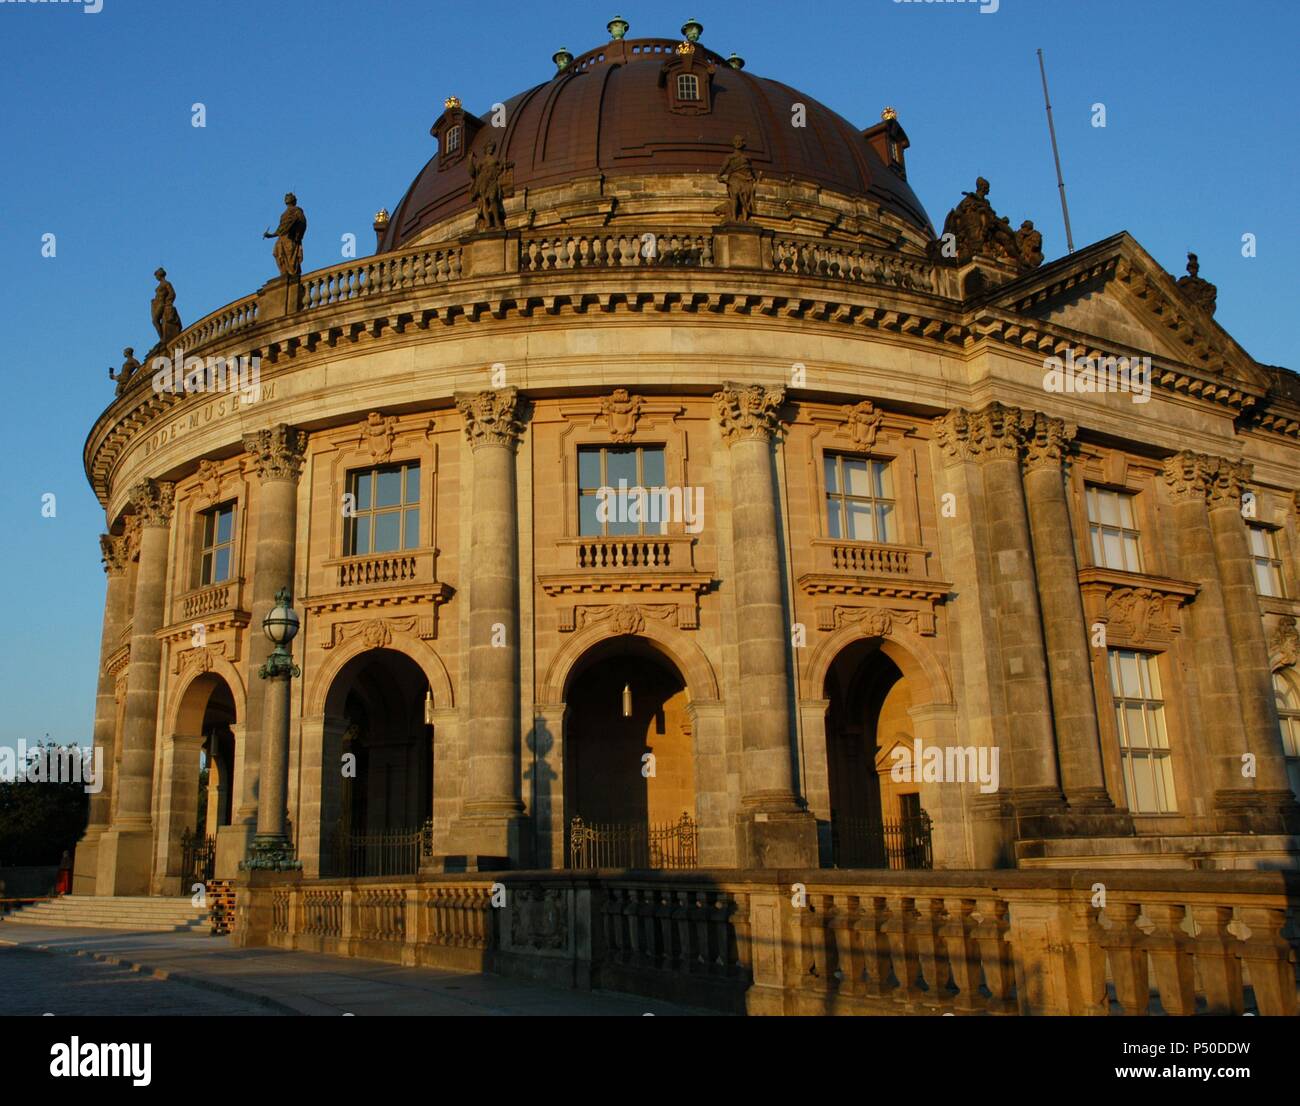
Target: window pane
x=1146 y=792
x=860 y=521
x=411 y=538
x=1130 y=682
x=205 y=571
x=1287 y=699
x=589 y=468
x=620 y=464
x=388 y=488
x=1258 y=544
x=833 y=528
x=652 y=466
x=363 y=491
x=1130 y=788
x=1126 y=514
x=587 y=524
x=1151 y=669
x=1136 y=726
x=412 y=483
x=208 y=525
x=1114 y=550
x=830 y=467
x=855 y=478
x=222 y=569
x=614 y=526
x=1132 y=562
x=885 y=522
x=387 y=537
x=1156 y=720
x=224 y=521
x=1165 y=781
x=884 y=480
x=361 y=534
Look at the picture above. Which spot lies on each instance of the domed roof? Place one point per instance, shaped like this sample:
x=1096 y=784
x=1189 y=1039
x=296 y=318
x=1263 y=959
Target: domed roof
x=610 y=111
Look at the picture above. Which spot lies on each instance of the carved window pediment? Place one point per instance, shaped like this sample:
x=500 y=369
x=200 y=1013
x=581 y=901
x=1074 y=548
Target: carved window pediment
x=1137 y=610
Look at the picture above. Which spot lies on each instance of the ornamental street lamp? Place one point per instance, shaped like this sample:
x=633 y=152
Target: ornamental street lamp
x=271 y=847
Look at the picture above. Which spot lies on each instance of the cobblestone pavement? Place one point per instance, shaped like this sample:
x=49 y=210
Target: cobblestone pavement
x=37 y=983
x=261 y=981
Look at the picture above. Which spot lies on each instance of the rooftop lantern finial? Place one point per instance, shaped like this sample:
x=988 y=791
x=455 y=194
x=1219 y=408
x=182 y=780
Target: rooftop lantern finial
x=451 y=102
x=692 y=29
x=617 y=27
x=562 y=58
x=888 y=114
x=736 y=61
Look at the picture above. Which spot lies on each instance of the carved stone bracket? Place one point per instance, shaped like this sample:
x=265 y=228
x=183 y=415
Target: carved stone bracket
x=1136 y=610
x=748 y=411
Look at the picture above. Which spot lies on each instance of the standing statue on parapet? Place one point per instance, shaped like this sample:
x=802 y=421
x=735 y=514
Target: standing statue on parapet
x=289 y=235
x=166 y=319
x=738 y=173
x=128 y=370
x=486 y=188
x=1029 y=245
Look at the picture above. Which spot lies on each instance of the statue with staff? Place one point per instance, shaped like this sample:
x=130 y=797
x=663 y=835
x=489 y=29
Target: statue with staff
x=289 y=235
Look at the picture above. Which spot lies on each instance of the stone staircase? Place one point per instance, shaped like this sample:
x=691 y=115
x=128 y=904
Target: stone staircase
x=96 y=912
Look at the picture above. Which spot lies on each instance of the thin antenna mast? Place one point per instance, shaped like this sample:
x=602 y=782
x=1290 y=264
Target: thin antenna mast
x=1056 y=156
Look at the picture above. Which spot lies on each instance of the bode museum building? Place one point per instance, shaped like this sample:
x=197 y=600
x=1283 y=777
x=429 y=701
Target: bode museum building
x=670 y=502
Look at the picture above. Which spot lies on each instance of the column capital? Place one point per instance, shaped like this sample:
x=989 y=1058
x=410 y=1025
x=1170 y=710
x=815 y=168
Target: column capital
x=993 y=433
x=492 y=417
x=153 y=501
x=1047 y=440
x=278 y=451
x=748 y=411
x=1226 y=484
x=1188 y=475
x=115 y=552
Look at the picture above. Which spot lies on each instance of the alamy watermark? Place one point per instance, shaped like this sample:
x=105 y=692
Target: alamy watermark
x=179 y=373
x=946 y=764
x=1098 y=374
x=53 y=764
x=654 y=505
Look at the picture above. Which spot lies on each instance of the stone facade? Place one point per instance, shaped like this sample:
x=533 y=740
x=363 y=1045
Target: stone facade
x=746 y=356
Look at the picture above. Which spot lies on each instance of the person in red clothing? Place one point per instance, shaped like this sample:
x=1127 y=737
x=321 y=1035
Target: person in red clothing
x=64 y=885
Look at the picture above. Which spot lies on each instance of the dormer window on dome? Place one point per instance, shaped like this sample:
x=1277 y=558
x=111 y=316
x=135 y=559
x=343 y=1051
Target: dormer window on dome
x=687 y=78
x=889 y=140
x=454 y=129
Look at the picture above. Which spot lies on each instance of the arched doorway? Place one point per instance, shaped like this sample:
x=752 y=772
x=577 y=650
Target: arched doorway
x=375 y=817
x=629 y=760
x=196 y=798
x=877 y=820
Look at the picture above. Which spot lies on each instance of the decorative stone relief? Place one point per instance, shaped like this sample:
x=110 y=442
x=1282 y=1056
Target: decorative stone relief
x=994 y=432
x=114 y=552
x=1226 y=485
x=377 y=633
x=491 y=417
x=875 y=621
x=188 y=662
x=1284 y=645
x=277 y=452
x=1046 y=440
x=862 y=423
x=1187 y=475
x=377 y=436
x=211 y=480
x=748 y=411
x=622 y=618
x=621 y=412
x=1134 y=614
x=539 y=918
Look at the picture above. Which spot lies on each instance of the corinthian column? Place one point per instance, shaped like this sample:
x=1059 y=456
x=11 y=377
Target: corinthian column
x=113 y=551
x=490 y=829
x=1069 y=664
x=277 y=454
x=774 y=830
x=125 y=850
x=1265 y=794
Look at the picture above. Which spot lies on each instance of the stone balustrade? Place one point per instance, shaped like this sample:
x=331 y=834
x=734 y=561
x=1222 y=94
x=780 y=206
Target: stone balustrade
x=380 y=568
x=867 y=558
x=388 y=272
x=1101 y=942
x=210 y=600
x=597 y=553
x=612 y=251
x=811 y=257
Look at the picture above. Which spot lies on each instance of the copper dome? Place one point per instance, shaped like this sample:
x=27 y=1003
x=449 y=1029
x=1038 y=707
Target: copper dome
x=608 y=112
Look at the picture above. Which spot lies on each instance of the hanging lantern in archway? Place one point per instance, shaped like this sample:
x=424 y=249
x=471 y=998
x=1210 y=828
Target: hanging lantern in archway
x=627 y=700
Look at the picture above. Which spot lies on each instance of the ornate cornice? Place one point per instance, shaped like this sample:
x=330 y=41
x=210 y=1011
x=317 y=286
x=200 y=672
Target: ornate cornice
x=153 y=501
x=492 y=417
x=748 y=412
x=277 y=452
x=115 y=553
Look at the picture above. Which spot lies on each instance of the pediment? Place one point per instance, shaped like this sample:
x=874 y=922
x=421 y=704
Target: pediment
x=1115 y=293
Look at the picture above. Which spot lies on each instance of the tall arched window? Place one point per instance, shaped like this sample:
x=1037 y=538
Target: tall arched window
x=1287 y=690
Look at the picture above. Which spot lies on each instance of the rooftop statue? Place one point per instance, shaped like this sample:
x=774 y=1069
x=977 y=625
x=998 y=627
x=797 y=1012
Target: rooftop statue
x=289 y=235
x=166 y=319
x=1201 y=292
x=738 y=172
x=128 y=369
x=486 y=188
x=977 y=230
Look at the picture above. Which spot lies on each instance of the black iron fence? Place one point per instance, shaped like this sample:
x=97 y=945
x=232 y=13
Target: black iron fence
x=395 y=853
x=198 y=858
x=634 y=845
x=874 y=843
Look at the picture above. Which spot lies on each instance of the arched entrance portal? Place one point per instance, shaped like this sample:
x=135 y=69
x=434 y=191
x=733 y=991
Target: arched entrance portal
x=877 y=821
x=629 y=763
x=377 y=704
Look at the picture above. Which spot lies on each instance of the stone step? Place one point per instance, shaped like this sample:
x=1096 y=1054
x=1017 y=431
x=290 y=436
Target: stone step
x=113 y=912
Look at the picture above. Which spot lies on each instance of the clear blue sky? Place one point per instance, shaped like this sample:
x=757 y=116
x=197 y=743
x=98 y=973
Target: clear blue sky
x=334 y=100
